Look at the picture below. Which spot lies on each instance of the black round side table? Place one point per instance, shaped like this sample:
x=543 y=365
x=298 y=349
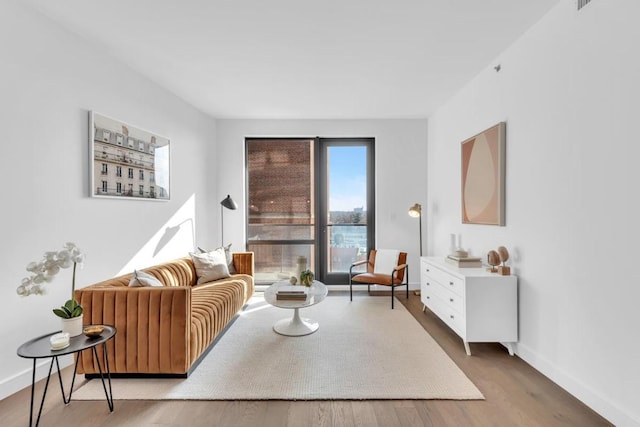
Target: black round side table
x=40 y=348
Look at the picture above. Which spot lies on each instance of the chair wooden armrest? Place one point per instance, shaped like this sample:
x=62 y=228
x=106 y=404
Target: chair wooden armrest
x=363 y=261
x=400 y=267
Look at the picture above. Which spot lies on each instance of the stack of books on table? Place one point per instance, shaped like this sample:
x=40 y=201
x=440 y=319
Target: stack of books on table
x=464 y=262
x=292 y=293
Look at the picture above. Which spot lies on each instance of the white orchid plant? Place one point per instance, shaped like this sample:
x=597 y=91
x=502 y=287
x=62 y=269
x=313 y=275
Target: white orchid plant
x=45 y=270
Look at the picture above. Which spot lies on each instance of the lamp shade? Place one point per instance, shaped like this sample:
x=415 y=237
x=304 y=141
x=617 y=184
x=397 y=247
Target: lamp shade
x=229 y=203
x=415 y=210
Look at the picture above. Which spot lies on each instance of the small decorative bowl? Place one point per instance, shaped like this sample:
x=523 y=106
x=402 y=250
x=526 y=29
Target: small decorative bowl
x=93 y=331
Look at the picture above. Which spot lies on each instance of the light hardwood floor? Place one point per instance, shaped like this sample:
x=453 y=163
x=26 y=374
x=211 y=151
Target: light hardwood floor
x=515 y=393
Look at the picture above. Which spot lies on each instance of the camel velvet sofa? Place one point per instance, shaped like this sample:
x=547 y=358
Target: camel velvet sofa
x=164 y=330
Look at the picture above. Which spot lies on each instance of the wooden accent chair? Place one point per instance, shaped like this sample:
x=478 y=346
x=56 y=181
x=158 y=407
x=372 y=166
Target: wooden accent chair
x=396 y=276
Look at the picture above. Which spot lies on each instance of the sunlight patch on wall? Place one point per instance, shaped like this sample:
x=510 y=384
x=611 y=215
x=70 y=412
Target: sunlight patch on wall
x=175 y=239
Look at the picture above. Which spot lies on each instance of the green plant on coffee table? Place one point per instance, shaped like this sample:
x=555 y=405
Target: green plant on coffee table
x=43 y=272
x=306 y=278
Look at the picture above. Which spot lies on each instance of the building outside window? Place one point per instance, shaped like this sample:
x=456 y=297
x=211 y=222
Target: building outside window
x=119 y=139
x=141 y=190
x=104 y=186
x=104 y=169
x=118 y=170
x=118 y=187
x=130 y=173
x=152 y=177
x=141 y=174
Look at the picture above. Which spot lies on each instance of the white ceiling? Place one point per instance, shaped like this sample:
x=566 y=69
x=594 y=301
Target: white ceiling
x=304 y=59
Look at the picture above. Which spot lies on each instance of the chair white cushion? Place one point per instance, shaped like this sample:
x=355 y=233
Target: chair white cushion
x=386 y=261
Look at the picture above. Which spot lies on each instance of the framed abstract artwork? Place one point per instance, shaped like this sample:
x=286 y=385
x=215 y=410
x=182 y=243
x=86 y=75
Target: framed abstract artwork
x=483 y=177
x=127 y=162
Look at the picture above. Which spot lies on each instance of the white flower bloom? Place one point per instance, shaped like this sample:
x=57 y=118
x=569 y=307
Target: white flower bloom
x=78 y=259
x=33 y=267
x=45 y=270
x=50 y=269
x=65 y=262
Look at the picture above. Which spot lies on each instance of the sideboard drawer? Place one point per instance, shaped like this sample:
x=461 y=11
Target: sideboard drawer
x=447 y=280
x=453 y=319
x=452 y=299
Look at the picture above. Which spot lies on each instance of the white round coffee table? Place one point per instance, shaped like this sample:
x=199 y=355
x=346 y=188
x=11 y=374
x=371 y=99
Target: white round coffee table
x=296 y=326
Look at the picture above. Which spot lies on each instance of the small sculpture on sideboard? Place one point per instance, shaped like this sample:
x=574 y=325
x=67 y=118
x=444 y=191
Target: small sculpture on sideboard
x=493 y=259
x=503 y=269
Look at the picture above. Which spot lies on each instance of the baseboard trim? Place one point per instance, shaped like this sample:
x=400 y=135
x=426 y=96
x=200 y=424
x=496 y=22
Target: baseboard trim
x=600 y=404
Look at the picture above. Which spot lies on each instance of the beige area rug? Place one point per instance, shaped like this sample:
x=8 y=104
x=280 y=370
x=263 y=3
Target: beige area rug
x=362 y=350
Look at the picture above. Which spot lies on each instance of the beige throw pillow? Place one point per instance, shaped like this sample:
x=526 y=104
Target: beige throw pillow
x=210 y=266
x=228 y=255
x=141 y=279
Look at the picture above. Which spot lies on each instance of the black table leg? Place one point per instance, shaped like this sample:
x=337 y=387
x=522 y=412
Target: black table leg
x=65 y=399
x=44 y=393
x=108 y=394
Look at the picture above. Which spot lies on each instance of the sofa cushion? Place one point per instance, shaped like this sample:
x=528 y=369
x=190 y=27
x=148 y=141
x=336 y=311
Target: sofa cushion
x=140 y=279
x=210 y=266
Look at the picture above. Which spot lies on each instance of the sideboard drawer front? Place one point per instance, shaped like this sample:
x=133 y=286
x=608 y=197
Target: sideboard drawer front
x=454 y=301
x=426 y=294
x=447 y=280
x=453 y=319
x=457 y=322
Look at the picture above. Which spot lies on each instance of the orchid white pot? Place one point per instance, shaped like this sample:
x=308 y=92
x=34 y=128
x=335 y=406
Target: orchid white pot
x=73 y=326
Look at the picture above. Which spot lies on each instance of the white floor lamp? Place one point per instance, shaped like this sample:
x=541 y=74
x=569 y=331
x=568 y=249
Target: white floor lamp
x=228 y=203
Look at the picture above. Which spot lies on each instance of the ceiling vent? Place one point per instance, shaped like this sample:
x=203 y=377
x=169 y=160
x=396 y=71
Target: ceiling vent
x=583 y=3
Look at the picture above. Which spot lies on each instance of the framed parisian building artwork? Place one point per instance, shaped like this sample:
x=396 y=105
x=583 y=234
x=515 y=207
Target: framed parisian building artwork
x=483 y=177
x=127 y=162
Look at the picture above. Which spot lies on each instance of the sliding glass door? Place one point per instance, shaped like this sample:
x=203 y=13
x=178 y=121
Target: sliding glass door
x=310 y=205
x=346 y=206
x=281 y=206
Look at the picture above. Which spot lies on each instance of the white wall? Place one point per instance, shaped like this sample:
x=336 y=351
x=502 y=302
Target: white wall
x=400 y=154
x=569 y=92
x=49 y=80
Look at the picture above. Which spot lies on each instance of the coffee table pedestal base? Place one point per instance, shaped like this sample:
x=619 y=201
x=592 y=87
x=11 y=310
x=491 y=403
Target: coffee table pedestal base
x=296 y=326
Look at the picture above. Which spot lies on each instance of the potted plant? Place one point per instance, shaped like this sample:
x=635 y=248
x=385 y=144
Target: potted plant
x=44 y=271
x=306 y=278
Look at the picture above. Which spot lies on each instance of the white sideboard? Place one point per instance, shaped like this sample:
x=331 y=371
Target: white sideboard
x=478 y=305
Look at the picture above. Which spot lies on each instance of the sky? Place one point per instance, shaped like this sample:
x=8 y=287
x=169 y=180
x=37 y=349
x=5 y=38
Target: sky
x=347 y=178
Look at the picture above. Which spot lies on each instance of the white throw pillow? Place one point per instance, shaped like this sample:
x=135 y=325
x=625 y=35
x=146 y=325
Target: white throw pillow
x=141 y=279
x=210 y=266
x=228 y=255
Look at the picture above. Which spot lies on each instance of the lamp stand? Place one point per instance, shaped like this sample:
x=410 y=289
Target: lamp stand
x=221 y=226
x=420 y=234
